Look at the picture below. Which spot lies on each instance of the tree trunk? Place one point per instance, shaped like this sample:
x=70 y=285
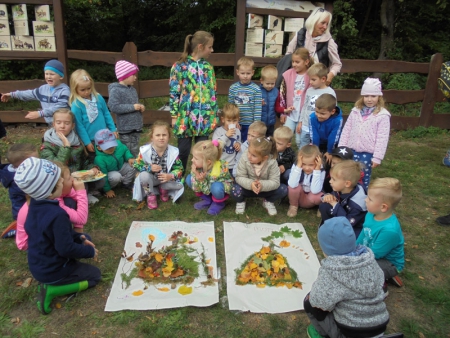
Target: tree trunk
x=387 y=28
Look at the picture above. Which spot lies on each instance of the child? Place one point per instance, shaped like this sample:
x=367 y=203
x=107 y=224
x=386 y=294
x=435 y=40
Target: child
x=306 y=180
x=53 y=247
x=382 y=232
x=317 y=86
x=258 y=176
x=292 y=92
x=338 y=155
x=246 y=95
x=209 y=178
x=52 y=96
x=90 y=110
x=124 y=102
x=159 y=166
x=193 y=107
x=286 y=156
x=229 y=134
x=114 y=159
x=347 y=299
x=269 y=95
x=367 y=128
x=325 y=125
x=348 y=197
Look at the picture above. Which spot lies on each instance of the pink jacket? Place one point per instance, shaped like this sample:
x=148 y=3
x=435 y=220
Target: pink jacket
x=369 y=136
x=77 y=217
x=286 y=95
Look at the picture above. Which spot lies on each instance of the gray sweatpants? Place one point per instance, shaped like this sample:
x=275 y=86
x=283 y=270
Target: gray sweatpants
x=125 y=175
x=131 y=140
x=149 y=182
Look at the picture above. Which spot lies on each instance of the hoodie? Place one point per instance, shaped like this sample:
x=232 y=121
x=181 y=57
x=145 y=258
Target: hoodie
x=326 y=132
x=121 y=102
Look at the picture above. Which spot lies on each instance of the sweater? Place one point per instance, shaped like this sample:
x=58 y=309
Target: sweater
x=269 y=176
x=369 y=136
x=192 y=98
x=121 y=102
x=218 y=173
x=249 y=100
x=51 y=98
x=269 y=98
x=286 y=96
x=309 y=106
x=229 y=154
x=53 y=246
x=16 y=195
x=85 y=129
x=326 y=132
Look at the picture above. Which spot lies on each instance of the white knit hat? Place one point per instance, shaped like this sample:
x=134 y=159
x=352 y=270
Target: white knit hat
x=37 y=177
x=125 y=69
x=371 y=86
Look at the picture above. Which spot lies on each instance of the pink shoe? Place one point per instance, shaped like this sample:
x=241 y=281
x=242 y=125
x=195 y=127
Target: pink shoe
x=164 y=195
x=151 y=202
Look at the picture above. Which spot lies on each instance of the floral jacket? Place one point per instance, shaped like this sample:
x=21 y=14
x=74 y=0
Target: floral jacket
x=218 y=173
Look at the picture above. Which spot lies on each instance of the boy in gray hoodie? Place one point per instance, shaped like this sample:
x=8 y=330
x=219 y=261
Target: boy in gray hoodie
x=347 y=299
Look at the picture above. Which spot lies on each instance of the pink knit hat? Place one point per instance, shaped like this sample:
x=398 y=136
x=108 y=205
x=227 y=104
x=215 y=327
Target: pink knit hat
x=371 y=86
x=125 y=69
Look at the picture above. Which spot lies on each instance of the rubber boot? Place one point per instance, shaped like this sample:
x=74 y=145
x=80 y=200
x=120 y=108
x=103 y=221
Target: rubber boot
x=204 y=203
x=217 y=205
x=47 y=292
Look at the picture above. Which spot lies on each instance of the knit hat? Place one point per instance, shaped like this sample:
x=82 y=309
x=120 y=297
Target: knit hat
x=37 y=177
x=125 y=69
x=343 y=152
x=55 y=66
x=371 y=86
x=336 y=236
x=105 y=139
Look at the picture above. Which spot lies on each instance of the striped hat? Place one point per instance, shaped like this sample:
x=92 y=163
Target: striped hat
x=125 y=69
x=37 y=177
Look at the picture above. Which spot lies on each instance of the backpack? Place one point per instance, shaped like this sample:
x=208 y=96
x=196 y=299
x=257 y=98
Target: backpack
x=444 y=80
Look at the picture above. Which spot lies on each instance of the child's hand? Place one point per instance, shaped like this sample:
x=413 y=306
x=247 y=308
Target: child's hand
x=64 y=139
x=374 y=165
x=156 y=168
x=329 y=198
x=95 y=258
x=299 y=161
x=5 y=97
x=231 y=132
x=32 y=115
x=86 y=241
x=298 y=130
x=163 y=178
x=140 y=107
x=237 y=146
x=78 y=185
x=282 y=169
x=110 y=194
x=283 y=119
x=329 y=157
x=289 y=110
x=256 y=187
x=116 y=134
x=200 y=176
x=90 y=148
x=131 y=161
x=318 y=162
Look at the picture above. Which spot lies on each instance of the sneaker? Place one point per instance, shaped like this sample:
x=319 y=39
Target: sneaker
x=443 y=220
x=240 y=208
x=312 y=332
x=292 y=212
x=92 y=199
x=151 y=202
x=446 y=159
x=385 y=290
x=395 y=281
x=95 y=193
x=270 y=208
x=10 y=230
x=164 y=195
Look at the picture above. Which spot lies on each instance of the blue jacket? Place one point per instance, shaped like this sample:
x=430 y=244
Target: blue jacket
x=16 y=195
x=268 y=115
x=53 y=246
x=327 y=132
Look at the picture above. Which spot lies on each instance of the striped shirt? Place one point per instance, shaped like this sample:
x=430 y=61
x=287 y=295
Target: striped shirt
x=249 y=100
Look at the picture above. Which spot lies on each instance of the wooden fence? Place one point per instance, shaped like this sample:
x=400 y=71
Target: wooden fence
x=156 y=88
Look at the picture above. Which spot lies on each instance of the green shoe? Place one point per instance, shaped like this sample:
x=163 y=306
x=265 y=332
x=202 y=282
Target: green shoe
x=47 y=292
x=42 y=294
x=312 y=332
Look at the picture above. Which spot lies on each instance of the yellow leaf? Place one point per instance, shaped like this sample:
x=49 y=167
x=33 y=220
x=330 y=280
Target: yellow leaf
x=185 y=290
x=164 y=289
x=420 y=277
x=138 y=293
x=159 y=257
x=211 y=239
x=284 y=244
x=151 y=237
x=58 y=305
x=208 y=261
x=261 y=285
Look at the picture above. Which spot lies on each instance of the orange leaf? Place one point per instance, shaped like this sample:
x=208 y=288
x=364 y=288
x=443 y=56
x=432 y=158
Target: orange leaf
x=210 y=239
x=177 y=273
x=284 y=244
x=164 y=289
x=261 y=285
x=138 y=293
x=159 y=258
x=130 y=257
x=151 y=237
x=58 y=305
x=138 y=245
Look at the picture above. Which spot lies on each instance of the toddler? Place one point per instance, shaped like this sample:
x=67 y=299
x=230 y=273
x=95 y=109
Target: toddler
x=269 y=95
x=286 y=156
x=338 y=155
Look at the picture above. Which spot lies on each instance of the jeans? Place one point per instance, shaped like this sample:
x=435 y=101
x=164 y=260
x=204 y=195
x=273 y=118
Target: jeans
x=292 y=125
x=217 y=189
x=244 y=132
x=83 y=272
x=240 y=194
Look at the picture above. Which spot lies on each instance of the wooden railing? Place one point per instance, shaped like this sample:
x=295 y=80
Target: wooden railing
x=156 y=88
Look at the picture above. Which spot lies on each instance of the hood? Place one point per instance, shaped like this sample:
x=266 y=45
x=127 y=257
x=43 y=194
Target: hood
x=7 y=173
x=116 y=85
x=338 y=113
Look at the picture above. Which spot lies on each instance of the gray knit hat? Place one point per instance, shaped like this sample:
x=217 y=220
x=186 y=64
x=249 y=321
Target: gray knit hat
x=336 y=236
x=37 y=177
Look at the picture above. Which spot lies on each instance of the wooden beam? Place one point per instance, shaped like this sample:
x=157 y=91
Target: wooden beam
x=23 y=55
x=276 y=12
x=383 y=66
x=93 y=55
x=239 y=37
x=426 y=112
x=29 y=2
x=60 y=37
x=9 y=86
x=18 y=116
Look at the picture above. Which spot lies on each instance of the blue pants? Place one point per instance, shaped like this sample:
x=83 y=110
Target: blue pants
x=83 y=272
x=366 y=159
x=244 y=132
x=240 y=194
x=217 y=189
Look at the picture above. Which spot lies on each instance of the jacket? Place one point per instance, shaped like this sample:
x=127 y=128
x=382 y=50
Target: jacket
x=269 y=98
x=326 y=132
x=286 y=95
x=192 y=98
x=287 y=158
x=368 y=136
x=16 y=195
x=269 y=177
x=121 y=102
x=218 y=173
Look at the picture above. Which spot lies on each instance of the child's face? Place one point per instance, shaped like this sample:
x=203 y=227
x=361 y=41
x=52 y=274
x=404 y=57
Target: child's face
x=84 y=90
x=299 y=64
x=197 y=160
x=245 y=74
x=323 y=114
x=160 y=137
x=67 y=182
x=254 y=157
x=374 y=203
x=253 y=134
x=204 y=51
x=108 y=151
x=308 y=164
x=318 y=82
x=282 y=144
x=58 y=190
x=227 y=121
x=335 y=160
x=268 y=84
x=63 y=123
x=129 y=81
x=52 y=78
x=337 y=183
x=370 y=100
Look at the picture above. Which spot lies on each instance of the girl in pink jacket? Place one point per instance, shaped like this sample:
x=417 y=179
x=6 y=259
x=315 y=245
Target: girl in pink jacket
x=366 y=131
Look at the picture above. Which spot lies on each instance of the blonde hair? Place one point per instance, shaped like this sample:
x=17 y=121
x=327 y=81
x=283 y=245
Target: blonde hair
x=258 y=126
x=303 y=54
x=389 y=189
x=264 y=146
x=380 y=104
x=19 y=152
x=309 y=150
x=209 y=152
x=283 y=133
x=269 y=72
x=348 y=170
x=76 y=78
x=318 y=14
x=159 y=123
x=230 y=111
x=246 y=62
x=318 y=69
x=192 y=41
x=64 y=111
x=326 y=101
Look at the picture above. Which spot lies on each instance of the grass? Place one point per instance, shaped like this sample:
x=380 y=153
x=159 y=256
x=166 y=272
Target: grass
x=420 y=309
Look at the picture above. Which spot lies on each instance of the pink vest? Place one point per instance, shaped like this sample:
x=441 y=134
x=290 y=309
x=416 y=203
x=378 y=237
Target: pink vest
x=289 y=76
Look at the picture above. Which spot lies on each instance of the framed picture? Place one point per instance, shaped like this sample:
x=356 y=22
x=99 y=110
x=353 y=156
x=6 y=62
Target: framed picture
x=3 y=12
x=5 y=42
x=43 y=28
x=24 y=43
x=19 y=12
x=42 y=12
x=4 y=27
x=21 y=27
x=45 y=43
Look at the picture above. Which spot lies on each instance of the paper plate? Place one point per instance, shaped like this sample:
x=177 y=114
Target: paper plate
x=99 y=176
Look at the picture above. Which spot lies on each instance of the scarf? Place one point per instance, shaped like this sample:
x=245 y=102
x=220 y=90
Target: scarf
x=52 y=137
x=366 y=111
x=91 y=108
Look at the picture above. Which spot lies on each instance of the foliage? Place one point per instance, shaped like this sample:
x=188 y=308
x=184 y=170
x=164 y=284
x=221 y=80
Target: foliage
x=421 y=132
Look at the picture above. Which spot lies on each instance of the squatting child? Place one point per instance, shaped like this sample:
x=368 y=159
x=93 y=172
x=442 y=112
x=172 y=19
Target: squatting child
x=286 y=156
x=269 y=95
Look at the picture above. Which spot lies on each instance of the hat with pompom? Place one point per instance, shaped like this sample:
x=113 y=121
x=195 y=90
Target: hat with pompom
x=125 y=69
x=371 y=86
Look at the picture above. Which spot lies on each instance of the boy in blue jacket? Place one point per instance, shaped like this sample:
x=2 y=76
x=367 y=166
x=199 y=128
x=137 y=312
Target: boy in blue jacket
x=269 y=95
x=53 y=245
x=325 y=125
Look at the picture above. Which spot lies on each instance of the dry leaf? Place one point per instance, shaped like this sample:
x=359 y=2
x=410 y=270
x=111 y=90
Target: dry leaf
x=420 y=277
x=208 y=261
x=211 y=239
x=141 y=205
x=27 y=282
x=415 y=246
x=284 y=244
x=11 y=272
x=164 y=289
x=130 y=257
x=151 y=237
x=15 y=320
x=421 y=335
x=19 y=283
x=185 y=290
x=58 y=305
x=138 y=293
x=138 y=245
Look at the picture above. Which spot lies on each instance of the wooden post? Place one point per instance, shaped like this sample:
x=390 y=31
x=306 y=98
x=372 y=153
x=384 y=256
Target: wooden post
x=60 y=37
x=130 y=54
x=240 y=33
x=431 y=88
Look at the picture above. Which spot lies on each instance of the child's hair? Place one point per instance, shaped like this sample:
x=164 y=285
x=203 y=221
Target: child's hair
x=64 y=111
x=326 y=101
x=80 y=76
x=246 y=62
x=303 y=53
x=283 y=133
x=258 y=126
x=389 y=189
x=380 y=104
x=19 y=152
x=310 y=150
x=318 y=15
x=159 y=123
x=348 y=170
x=317 y=69
x=264 y=146
x=269 y=72
x=210 y=150
x=192 y=41
x=230 y=111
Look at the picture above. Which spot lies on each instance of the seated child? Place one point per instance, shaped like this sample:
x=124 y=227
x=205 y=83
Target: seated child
x=256 y=129
x=258 y=176
x=229 y=134
x=286 y=156
x=209 y=178
x=347 y=298
x=115 y=160
x=160 y=168
x=338 y=155
x=382 y=232
x=269 y=95
x=348 y=197
x=306 y=180
x=326 y=125
x=53 y=247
